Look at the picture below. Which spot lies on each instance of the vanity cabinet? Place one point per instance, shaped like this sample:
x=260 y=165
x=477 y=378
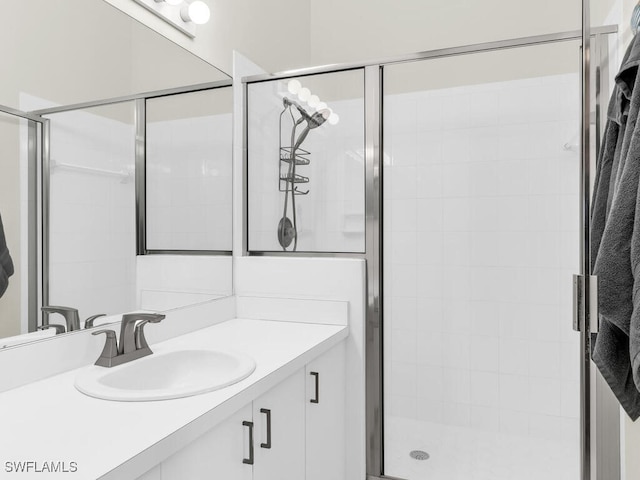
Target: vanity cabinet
x=325 y=416
x=297 y=429
x=279 y=431
x=217 y=454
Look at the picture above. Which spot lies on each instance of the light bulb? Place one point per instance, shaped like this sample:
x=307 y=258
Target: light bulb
x=333 y=119
x=313 y=101
x=197 y=12
x=321 y=106
x=294 y=86
x=304 y=94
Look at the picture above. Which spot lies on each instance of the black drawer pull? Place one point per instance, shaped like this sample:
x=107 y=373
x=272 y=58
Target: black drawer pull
x=317 y=380
x=267 y=412
x=249 y=461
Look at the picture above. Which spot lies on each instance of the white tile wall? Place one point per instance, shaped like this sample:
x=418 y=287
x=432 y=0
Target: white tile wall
x=481 y=239
x=189 y=183
x=92 y=251
x=331 y=217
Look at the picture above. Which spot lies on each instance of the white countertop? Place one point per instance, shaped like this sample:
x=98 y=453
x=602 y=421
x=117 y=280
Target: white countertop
x=50 y=421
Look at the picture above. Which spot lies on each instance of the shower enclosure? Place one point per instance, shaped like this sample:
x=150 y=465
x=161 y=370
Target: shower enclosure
x=480 y=241
x=475 y=195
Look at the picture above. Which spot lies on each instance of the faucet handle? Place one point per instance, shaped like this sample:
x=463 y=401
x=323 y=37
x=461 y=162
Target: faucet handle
x=88 y=323
x=141 y=341
x=110 y=350
x=59 y=328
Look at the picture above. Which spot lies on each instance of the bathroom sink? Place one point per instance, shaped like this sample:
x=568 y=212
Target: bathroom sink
x=163 y=376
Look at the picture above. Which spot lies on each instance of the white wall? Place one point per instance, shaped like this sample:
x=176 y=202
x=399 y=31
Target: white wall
x=364 y=29
x=167 y=282
x=275 y=34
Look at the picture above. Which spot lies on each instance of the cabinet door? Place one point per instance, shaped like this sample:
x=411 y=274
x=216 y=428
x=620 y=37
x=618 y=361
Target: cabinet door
x=217 y=455
x=325 y=416
x=280 y=412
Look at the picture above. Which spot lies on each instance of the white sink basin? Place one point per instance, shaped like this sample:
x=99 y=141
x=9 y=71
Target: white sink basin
x=163 y=376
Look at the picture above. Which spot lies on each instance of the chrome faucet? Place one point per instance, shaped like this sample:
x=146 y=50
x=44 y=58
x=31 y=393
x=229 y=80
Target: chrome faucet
x=71 y=317
x=132 y=345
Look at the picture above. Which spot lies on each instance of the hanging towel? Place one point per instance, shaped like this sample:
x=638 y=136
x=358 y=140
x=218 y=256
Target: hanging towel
x=6 y=264
x=615 y=239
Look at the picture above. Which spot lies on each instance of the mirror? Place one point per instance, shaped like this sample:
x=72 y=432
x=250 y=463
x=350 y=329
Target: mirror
x=87 y=51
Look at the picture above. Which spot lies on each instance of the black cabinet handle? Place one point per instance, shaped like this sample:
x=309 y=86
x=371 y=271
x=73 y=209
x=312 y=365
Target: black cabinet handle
x=267 y=412
x=249 y=461
x=317 y=380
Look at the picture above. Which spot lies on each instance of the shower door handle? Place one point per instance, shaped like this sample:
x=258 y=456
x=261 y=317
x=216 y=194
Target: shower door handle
x=249 y=461
x=316 y=399
x=579 y=303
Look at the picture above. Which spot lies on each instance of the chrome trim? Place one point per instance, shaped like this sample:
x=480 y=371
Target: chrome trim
x=605 y=433
x=224 y=253
x=37 y=146
x=21 y=114
x=383 y=477
x=245 y=170
x=263 y=253
x=45 y=181
x=585 y=257
x=438 y=53
x=373 y=241
x=141 y=176
x=136 y=96
x=374 y=413
x=32 y=224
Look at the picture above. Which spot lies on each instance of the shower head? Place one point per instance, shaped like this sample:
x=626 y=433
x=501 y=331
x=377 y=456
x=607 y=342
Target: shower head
x=318 y=118
x=303 y=112
x=314 y=121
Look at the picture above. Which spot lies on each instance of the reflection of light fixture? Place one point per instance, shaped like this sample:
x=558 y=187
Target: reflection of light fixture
x=182 y=14
x=313 y=101
x=305 y=96
x=196 y=12
x=294 y=86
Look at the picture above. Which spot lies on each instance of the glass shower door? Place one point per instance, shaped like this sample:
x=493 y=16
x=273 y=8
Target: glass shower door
x=480 y=240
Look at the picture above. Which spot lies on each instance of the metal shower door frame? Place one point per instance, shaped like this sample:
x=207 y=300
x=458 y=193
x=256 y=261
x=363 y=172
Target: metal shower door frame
x=599 y=411
x=37 y=148
x=590 y=416
x=139 y=101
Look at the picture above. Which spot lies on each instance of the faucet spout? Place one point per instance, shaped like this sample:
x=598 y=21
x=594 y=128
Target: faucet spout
x=127 y=329
x=70 y=315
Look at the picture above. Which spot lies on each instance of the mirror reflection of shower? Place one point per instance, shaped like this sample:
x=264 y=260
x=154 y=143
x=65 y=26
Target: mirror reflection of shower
x=292 y=156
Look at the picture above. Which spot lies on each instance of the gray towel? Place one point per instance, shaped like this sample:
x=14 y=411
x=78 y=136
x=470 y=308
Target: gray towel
x=615 y=239
x=6 y=264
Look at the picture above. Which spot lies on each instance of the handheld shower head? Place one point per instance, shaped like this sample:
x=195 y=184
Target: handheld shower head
x=314 y=121
x=303 y=112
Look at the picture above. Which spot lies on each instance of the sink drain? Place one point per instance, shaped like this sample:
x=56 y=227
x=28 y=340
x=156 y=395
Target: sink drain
x=419 y=455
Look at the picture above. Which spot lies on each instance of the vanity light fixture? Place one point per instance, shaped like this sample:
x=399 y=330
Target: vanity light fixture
x=181 y=14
